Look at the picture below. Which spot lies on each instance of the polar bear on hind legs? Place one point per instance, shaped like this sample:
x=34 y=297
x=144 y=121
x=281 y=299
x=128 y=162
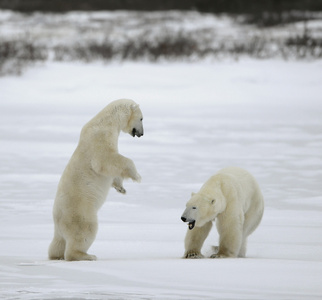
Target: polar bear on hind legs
x=234 y=199
x=94 y=167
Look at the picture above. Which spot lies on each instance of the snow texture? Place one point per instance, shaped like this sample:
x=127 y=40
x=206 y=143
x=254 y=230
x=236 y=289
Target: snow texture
x=264 y=116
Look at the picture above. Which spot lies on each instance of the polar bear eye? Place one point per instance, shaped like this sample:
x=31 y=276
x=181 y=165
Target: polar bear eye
x=194 y=207
x=213 y=201
x=141 y=119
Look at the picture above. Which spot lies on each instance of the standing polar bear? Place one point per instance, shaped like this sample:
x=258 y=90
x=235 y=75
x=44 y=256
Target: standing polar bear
x=94 y=167
x=234 y=199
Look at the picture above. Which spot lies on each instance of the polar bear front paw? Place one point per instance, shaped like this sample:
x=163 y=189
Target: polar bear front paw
x=120 y=189
x=215 y=255
x=137 y=177
x=118 y=185
x=193 y=255
x=130 y=172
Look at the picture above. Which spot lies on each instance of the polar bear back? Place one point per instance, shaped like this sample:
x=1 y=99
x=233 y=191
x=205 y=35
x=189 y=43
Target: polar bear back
x=238 y=186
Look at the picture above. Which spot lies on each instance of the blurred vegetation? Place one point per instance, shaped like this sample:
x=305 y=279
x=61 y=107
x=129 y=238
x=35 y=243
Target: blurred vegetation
x=18 y=53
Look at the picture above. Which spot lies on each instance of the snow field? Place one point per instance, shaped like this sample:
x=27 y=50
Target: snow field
x=264 y=116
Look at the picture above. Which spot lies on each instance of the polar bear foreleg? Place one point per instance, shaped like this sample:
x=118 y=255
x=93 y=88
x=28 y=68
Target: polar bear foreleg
x=194 y=240
x=230 y=243
x=128 y=169
x=116 y=165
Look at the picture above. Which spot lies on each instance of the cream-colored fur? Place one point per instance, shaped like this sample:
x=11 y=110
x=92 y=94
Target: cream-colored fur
x=94 y=167
x=234 y=199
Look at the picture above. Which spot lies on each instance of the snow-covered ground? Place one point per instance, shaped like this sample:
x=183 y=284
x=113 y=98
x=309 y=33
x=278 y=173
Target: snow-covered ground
x=265 y=116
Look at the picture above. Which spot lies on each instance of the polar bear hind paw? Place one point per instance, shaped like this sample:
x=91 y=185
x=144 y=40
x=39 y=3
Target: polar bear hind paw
x=193 y=255
x=91 y=257
x=78 y=255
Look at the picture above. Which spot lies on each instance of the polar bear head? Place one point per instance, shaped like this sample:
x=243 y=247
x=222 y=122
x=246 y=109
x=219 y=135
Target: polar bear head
x=201 y=209
x=135 y=123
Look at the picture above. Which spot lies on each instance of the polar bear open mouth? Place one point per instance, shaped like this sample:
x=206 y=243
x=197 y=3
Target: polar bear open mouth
x=191 y=224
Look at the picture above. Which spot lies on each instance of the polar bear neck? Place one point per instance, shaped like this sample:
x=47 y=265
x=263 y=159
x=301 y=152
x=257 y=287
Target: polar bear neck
x=103 y=133
x=114 y=117
x=106 y=126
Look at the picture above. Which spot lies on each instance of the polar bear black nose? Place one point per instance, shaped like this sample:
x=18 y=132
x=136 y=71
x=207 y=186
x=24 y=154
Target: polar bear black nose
x=183 y=219
x=136 y=132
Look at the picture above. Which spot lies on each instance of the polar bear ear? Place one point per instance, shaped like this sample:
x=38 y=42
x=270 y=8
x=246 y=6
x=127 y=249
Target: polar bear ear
x=134 y=107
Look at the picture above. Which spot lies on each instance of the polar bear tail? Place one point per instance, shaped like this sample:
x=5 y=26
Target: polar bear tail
x=57 y=248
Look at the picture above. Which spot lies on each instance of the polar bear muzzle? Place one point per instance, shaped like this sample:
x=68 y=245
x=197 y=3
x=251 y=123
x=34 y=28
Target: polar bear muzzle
x=136 y=132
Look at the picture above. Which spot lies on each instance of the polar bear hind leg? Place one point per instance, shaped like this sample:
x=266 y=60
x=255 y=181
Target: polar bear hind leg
x=242 y=251
x=57 y=247
x=252 y=220
x=79 y=237
x=249 y=227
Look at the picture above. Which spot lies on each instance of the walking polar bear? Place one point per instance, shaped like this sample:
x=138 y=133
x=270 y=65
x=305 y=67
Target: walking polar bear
x=234 y=199
x=94 y=167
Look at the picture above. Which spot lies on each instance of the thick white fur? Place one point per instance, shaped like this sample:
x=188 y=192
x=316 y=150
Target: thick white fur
x=94 y=167
x=234 y=199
